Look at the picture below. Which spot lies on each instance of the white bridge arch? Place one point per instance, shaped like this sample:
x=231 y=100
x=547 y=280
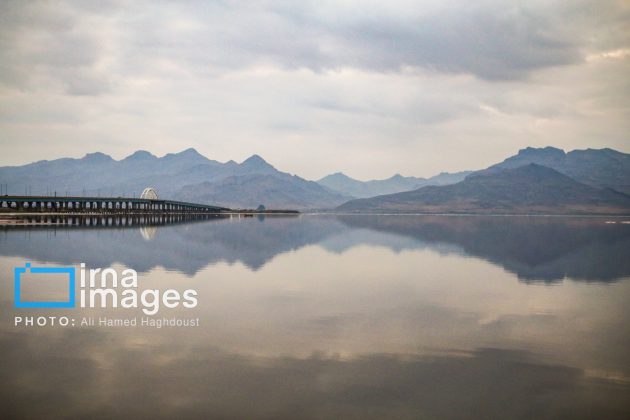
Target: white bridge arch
x=149 y=194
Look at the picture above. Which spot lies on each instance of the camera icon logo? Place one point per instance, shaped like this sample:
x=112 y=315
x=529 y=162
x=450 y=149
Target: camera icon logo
x=19 y=271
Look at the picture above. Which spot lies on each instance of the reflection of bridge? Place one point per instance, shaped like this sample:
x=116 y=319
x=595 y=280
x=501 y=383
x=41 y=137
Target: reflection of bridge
x=147 y=203
x=35 y=221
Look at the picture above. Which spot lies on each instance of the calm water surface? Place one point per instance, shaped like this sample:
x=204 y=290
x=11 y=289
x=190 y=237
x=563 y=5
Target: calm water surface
x=335 y=317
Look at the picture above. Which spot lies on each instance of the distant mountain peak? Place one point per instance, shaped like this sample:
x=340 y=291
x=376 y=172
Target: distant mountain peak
x=606 y=151
x=256 y=162
x=140 y=155
x=97 y=157
x=524 y=171
x=338 y=176
x=255 y=158
x=548 y=156
x=548 y=151
x=546 y=148
x=189 y=153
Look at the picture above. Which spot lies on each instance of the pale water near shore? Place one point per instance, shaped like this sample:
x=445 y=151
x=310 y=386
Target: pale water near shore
x=334 y=317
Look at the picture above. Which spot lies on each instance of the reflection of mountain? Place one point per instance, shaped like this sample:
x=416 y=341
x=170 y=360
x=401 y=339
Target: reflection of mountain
x=183 y=247
x=534 y=248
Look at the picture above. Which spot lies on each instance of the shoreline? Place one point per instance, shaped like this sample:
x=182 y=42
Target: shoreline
x=21 y=219
x=26 y=219
x=169 y=213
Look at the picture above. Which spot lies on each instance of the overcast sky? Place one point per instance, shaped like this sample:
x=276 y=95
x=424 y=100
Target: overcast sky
x=370 y=88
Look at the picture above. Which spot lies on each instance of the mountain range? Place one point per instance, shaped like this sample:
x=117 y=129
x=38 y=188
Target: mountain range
x=606 y=168
x=187 y=176
x=543 y=180
x=530 y=189
x=343 y=184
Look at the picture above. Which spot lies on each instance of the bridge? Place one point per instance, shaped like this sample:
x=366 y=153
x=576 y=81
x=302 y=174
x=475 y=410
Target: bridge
x=148 y=203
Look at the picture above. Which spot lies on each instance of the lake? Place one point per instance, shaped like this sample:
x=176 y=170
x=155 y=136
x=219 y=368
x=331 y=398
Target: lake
x=331 y=316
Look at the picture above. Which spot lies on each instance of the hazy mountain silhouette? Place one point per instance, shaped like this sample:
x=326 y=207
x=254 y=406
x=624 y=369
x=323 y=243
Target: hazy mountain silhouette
x=190 y=176
x=186 y=175
x=606 y=168
x=527 y=189
x=272 y=189
x=362 y=189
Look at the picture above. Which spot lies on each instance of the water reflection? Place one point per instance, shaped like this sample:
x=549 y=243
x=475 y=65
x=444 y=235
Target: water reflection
x=547 y=249
x=103 y=221
x=335 y=317
x=70 y=380
x=534 y=248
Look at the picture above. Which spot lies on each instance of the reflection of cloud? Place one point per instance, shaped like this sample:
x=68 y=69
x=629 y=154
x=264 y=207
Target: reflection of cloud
x=614 y=54
x=80 y=374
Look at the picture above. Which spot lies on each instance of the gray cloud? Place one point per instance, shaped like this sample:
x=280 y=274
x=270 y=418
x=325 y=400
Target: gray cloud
x=491 y=40
x=405 y=86
x=479 y=43
x=43 y=43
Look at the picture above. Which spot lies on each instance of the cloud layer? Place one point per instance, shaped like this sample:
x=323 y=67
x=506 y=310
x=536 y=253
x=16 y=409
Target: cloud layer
x=400 y=86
